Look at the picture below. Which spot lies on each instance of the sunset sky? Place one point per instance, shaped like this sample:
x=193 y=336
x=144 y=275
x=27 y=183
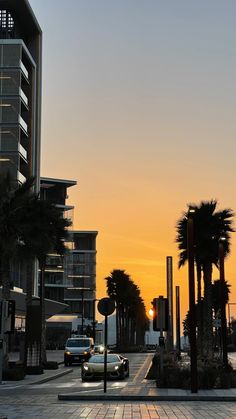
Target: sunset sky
x=139 y=104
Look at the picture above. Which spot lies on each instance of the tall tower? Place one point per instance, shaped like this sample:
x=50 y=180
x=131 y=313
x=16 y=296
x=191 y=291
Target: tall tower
x=20 y=90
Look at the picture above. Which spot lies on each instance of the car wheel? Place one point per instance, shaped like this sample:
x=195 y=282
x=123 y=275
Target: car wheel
x=83 y=378
x=127 y=375
x=122 y=374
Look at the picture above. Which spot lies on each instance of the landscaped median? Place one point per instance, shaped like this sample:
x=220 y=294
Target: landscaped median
x=176 y=373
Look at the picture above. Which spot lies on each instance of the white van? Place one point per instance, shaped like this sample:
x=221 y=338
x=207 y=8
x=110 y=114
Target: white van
x=78 y=349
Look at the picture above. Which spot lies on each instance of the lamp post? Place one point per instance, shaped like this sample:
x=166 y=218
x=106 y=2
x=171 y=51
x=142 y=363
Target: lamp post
x=192 y=309
x=222 y=302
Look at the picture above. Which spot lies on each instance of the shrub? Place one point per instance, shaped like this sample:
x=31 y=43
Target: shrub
x=14 y=372
x=211 y=374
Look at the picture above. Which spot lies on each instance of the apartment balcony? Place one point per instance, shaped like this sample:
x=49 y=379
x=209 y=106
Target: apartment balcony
x=22 y=152
x=20 y=178
x=23 y=97
x=24 y=71
x=23 y=124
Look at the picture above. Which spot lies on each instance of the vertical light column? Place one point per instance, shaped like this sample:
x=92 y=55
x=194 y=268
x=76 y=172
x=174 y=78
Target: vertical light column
x=169 y=282
x=177 y=296
x=192 y=309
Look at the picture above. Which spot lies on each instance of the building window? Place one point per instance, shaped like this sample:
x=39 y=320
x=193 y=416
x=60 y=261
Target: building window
x=6 y=23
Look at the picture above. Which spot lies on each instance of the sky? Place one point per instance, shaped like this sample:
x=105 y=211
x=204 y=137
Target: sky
x=139 y=100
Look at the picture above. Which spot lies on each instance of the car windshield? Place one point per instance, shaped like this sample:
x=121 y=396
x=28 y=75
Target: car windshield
x=77 y=343
x=99 y=359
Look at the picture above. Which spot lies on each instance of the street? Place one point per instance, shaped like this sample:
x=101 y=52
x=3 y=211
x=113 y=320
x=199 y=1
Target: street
x=41 y=400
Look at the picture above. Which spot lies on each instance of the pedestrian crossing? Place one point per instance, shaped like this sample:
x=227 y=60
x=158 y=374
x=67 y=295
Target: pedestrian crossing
x=78 y=383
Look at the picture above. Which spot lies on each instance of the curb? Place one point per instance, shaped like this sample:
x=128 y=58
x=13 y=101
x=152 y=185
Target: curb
x=52 y=377
x=145 y=398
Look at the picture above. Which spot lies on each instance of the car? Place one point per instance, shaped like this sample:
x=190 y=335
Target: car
x=117 y=367
x=78 y=350
x=99 y=349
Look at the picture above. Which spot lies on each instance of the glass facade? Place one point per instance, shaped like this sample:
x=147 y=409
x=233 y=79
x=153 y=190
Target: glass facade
x=15 y=111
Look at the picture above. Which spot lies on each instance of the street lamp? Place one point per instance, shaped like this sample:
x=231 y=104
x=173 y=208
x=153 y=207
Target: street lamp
x=222 y=302
x=192 y=309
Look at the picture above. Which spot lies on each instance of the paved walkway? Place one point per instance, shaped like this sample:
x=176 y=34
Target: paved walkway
x=160 y=410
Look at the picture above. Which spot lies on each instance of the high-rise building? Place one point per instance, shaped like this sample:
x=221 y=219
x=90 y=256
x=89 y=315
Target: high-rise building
x=20 y=90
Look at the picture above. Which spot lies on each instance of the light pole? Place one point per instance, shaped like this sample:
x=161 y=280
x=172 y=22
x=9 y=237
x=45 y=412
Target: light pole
x=222 y=302
x=192 y=309
x=177 y=305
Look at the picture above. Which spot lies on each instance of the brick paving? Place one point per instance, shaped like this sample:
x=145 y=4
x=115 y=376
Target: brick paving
x=168 y=410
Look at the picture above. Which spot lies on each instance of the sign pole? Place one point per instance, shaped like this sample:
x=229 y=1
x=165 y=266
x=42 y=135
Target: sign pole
x=105 y=356
x=106 y=306
x=161 y=307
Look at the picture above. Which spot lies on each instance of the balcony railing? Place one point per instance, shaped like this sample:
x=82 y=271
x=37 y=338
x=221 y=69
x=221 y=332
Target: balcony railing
x=23 y=96
x=24 y=70
x=23 y=124
x=20 y=177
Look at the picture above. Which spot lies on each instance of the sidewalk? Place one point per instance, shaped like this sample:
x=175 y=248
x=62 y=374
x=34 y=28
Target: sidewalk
x=149 y=392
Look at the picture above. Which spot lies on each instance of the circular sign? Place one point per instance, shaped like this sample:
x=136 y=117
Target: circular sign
x=106 y=306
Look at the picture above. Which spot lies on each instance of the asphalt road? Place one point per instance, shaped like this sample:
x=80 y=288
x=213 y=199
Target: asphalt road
x=71 y=382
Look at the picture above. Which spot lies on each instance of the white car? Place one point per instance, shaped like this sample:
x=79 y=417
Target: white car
x=117 y=367
x=78 y=350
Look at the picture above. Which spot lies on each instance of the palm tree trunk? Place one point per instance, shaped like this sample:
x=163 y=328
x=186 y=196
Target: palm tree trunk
x=199 y=309
x=208 y=325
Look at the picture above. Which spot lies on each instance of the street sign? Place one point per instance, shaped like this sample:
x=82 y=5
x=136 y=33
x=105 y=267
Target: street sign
x=106 y=306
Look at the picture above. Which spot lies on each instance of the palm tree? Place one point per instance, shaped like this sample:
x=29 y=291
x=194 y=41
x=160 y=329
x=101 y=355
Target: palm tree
x=45 y=231
x=12 y=203
x=217 y=295
x=29 y=229
x=13 y=199
x=209 y=225
x=131 y=319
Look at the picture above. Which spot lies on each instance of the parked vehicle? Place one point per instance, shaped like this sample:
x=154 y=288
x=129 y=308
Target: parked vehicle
x=117 y=367
x=99 y=349
x=78 y=350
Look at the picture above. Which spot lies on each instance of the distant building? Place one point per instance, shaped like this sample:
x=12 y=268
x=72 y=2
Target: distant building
x=80 y=276
x=151 y=337
x=71 y=279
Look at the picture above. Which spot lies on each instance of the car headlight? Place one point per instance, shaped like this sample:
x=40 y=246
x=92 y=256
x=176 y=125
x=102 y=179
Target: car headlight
x=85 y=367
x=85 y=353
x=101 y=349
x=68 y=353
x=116 y=367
